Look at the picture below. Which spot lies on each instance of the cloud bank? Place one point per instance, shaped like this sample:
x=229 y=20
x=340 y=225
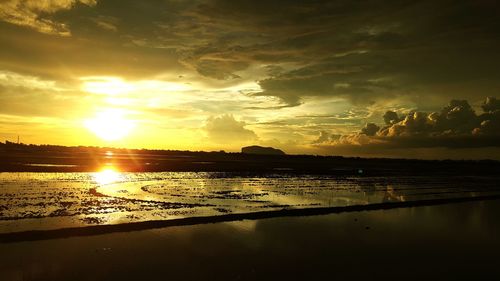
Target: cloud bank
x=457 y=125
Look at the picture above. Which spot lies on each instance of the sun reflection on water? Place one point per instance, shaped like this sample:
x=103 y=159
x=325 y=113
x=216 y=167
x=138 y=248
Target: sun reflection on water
x=107 y=175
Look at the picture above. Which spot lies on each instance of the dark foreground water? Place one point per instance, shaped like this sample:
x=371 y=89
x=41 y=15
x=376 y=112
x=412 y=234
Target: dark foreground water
x=445 y=242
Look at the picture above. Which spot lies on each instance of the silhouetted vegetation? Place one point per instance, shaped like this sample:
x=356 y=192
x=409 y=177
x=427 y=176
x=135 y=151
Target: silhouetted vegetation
x=54 y=158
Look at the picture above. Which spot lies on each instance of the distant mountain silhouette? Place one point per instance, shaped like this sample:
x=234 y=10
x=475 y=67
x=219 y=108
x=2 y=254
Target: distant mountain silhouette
x=253 y=159
x=255 y=149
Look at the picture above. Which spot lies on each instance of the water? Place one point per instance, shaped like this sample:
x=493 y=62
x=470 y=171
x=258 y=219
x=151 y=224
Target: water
x=445 y=242
x=43 y=201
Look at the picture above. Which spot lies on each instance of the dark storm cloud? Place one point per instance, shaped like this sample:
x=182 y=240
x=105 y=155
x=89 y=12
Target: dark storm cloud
x=365 y=55
x=456 y=119
x=100 y=41
x=363 y=51
x=370 y=129
x=456 y=126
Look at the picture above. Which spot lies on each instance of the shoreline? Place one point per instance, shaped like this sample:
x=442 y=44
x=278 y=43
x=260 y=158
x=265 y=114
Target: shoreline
x=37 y=235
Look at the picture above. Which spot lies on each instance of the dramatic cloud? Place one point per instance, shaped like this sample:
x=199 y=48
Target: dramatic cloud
x=391 y=117
x=456 y=119
x=370 y=129
x=455 y=126
x=304 y=75
x=344 y=49
x=36 y=14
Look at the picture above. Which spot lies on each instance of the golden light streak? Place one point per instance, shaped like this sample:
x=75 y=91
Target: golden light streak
x=106 y=85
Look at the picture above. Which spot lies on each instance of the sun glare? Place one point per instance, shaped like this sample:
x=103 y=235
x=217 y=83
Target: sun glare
x=110 y=125
x=107 y=176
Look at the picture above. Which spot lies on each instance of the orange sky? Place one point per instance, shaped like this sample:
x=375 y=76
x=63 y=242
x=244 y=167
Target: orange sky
x=212 y=75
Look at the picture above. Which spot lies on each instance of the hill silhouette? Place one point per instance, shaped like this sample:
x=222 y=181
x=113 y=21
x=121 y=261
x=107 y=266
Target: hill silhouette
x=54 y=158
x=255 y=149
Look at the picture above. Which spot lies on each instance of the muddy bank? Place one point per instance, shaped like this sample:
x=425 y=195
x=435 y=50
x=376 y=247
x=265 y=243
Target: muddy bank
x=136 y=226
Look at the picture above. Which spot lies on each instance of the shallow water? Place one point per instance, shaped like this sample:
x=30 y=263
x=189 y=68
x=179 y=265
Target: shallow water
x=42 y=201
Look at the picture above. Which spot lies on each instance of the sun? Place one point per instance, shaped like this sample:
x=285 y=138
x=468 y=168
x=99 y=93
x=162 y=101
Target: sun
x=110 y=125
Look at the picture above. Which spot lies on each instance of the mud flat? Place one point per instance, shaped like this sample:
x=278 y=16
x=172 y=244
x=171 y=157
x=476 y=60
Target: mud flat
x=51 y=205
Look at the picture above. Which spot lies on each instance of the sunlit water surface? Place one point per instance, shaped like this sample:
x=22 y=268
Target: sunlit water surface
x=31 y=201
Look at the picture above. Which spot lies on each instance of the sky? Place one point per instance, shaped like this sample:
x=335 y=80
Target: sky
x=401 y=79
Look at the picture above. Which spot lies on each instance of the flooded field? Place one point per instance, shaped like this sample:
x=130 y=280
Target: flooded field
x=443 y=242
x=43 y=201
